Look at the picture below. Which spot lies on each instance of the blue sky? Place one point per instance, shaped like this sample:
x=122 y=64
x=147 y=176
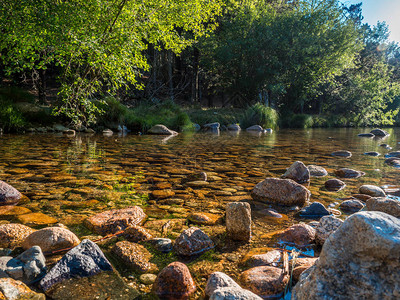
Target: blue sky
x=381 y=10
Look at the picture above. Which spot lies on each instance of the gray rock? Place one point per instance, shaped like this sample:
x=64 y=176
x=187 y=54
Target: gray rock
x=8 y=194
x=372 y=190
x=192 y=241
x=317 y=171
x=348 y=173
x=342 y=153
x=161 y=244
x=297 y=172
x=372 y=153
x=351 y=206
x=228 y=293
x=161 y=130
x=327 y=225
x=379 y=132
x=234 y=127
x=386 y=205
x=84 y=260
x=360 y=260
x=314 y=211
x=256 y=128
x=238 y=221
x=212 y=126
x=393 y=154
x=108 y=132
x=59 y=128
x=27 y=266
x=219 y=280
x=334 y=185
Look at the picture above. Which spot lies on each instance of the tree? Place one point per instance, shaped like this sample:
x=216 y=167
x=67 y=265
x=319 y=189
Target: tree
x=98 y=46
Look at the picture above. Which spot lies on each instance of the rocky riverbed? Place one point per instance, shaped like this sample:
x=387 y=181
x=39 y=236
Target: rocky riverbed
x=194 y=216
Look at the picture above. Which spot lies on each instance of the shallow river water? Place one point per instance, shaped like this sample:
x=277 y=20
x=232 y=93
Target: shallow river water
x=66 y=179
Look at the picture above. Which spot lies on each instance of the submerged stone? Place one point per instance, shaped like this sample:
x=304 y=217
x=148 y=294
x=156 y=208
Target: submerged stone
x=314 y=211
x=8 y=194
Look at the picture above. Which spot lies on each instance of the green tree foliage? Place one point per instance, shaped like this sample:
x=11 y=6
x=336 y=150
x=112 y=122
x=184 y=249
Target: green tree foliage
x=97 y=45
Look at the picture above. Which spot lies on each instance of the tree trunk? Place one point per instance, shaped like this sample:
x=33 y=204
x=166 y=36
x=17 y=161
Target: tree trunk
x=170 y=75
x=195 y=77
x=41 y=86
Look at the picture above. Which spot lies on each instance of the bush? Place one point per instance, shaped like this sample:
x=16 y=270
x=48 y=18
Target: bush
x=296 y=121
x=259 y=114
x=224 y=116
x=10 y=118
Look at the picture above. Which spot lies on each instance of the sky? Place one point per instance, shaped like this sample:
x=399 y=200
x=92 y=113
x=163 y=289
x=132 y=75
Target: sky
x=381 y=10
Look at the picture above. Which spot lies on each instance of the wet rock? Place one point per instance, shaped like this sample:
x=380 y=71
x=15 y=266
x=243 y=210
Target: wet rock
x=342 y=153
x=51 y=239
x=368 y=135
x=351 y=206
x=8 y=194
x=198 y=183
x=359 y=261
x=327 y=225
x=348 y=173
x=174 y=282
x=362 y=197
x=300 y=235
x=385 y=146
x=302 y=264
x=281 y=191
x=148 y=278
x=372 y=153
x=238 y=221
x=264 y=259
x=27 y=266
x=161 y=130
x=37 y=218
x=393 y=154
x=201 y=218
x=115 y=220
x=212 y=126
x=11 y=289
x=234 y=127
x=256 y=128
x=137 y=234
x=219 y=280
x=162 y=194
x=265 y=281
x=317 y=171
x=134 y=256
x=386 y=205
x=393 y=161
x=10 y=211
x=12 y=235
x=192 y=241
x=161 y=244
x=379 y=132
x=314 y=211
x=297 y=172
x=334 y=185
x=372 y=190
x=234 y=294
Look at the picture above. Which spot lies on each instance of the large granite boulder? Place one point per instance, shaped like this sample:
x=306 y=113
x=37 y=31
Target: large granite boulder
x=360 y=260
x=115 y=220
x=192 y=241
x=238 y=221
x=8 y=194
x=12 y=235
x=386 y=205
x=281 y=191
x=297 y=172
x=161 y=130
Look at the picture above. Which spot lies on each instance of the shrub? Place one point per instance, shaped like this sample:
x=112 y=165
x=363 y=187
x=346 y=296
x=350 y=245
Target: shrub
x=296 y=121
x=259 y=114
x=10 y=118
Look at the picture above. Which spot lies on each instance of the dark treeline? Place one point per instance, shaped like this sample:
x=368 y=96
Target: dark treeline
x=311 y=57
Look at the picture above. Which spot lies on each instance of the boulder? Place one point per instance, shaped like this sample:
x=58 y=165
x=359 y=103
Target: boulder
x=327 y=225
x=348 y=173
x=342 y=153
x=314 y=211
x=317 y=171
x=372 y=190
x=281 y=191
x=300 y=235
x=212 y=126
x=12 y=235
x=265 y=281
x=8 y=194
x=256 y=128
x=227 y=293
x=351 y=206
x=360 y=260
x=11 y=289
x=161 y=130
x=51 y=239
x=115 y=220
x=238 y=221
x=27 y=266
x=386 y=205
x=174 y=282
x=219 y=280
x=234 y=127
x=297 y=172
x=334 y=185
x=379 y=132
x=134 y=256
x=192 y=241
